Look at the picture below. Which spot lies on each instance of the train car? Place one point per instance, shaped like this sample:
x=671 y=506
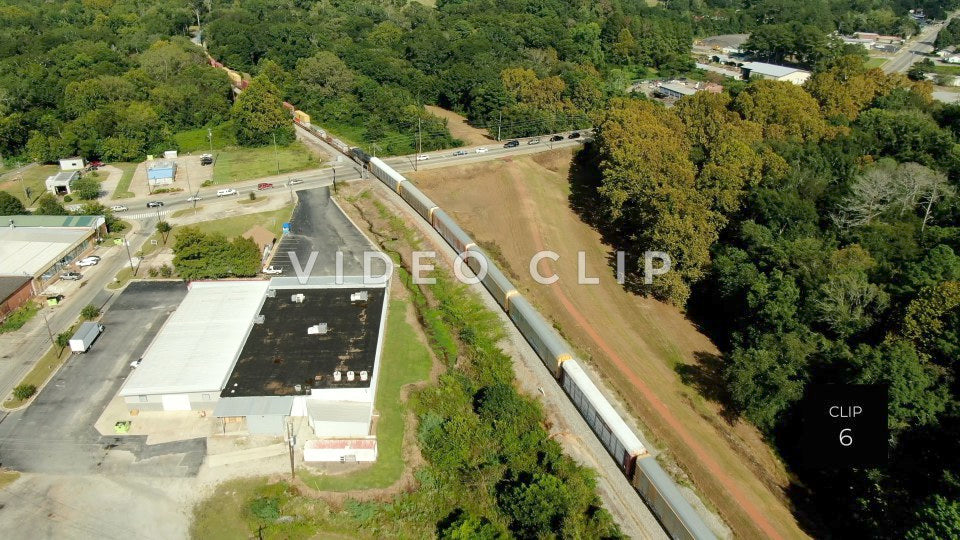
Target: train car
x=420 y=202
x=546 y=342
x=676 y=515
x=610 y=428
x=359 y=155
x=494 y=280
x=451 y=232
x=301 y=118
x=386 y=174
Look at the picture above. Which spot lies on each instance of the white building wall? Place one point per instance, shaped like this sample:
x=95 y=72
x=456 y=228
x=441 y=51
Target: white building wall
x=71 y=164
x=335 y=454
x=363 y=395
x=340 y=429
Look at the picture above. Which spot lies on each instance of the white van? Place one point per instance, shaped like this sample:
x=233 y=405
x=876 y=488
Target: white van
x=225 y=192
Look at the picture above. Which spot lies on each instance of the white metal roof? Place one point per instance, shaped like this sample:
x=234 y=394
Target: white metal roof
x=30 y=251
x=198 y=345
x=771 y=70
x=679 y=89
x=339 y=411
x=609 y=415
x=253 y=406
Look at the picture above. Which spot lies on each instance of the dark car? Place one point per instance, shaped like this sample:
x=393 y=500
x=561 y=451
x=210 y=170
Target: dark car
x=512 y=144
x=70 y=276
x=574 y=135
x=154 y=204
x=556 y=138
x=206 y=159
x=460 y=153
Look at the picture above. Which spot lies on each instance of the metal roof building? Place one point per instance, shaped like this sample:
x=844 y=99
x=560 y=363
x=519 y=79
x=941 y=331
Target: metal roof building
x=39 y=247
x=194 y=353
x=764 y=70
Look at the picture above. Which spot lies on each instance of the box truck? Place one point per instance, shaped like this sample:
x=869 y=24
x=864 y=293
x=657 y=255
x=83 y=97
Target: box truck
x=85 y=336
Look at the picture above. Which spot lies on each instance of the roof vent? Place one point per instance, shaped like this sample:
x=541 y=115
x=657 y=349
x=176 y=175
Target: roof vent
x=298 y=388
x=363 y=375
x=361 y=296
x=337 y=376
x=317 y=329
x=271 y=293
x=350 y=376
x=258 y=319
x=298 y=298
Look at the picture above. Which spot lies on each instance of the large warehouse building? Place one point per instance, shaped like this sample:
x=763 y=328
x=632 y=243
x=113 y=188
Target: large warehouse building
x=258 y=352
x=40 y=247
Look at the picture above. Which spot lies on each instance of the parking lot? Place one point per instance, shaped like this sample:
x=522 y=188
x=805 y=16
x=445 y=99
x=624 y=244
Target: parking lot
x=56 y=434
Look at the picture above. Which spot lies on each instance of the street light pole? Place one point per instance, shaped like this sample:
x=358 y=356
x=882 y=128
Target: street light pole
x=210 y=138
x=276 y=153
x=49 y=332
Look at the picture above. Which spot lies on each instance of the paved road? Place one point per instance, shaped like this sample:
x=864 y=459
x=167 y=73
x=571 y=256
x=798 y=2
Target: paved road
x=55 y=434
x=914 y=50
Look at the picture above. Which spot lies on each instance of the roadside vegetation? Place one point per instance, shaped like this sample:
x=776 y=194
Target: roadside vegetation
x=123 y=186
x=19 y=317
x=49 y=363
x=237 y=164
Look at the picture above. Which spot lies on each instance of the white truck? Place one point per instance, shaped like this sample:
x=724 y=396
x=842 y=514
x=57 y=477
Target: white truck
x=84 y=337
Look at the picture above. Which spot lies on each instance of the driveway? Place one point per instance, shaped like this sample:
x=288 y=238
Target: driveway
x=55 y=434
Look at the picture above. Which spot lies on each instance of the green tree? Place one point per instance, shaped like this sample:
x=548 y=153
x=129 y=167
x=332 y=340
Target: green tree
x=48 y=205
x=536 y=506
x=63 y=340
x=938 y=518
x=785 y=110
x=90 y=312
x=10 y=205
x=23 y=391
x=164 y=228
x=325 y=75
x=86 y=188
x=259 y=116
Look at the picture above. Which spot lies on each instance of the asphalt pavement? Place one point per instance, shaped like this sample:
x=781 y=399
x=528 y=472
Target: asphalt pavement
x=56 y=435
x=914 y=50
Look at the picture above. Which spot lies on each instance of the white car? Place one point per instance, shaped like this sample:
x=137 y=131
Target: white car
x=272 y=270
x=136 y=362
x=89 y=261
x=423 y=157
x=118 y=208
x=225 y=192
x=481 y=150
x=194 y=198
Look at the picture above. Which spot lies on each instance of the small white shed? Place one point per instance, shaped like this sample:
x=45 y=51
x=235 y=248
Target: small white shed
x=71 y=164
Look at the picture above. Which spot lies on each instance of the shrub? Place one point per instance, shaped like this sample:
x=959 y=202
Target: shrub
x=90 y=312
x=166 y=270
x=24 y=391
x=253 y=196
x=265 y=508
x=67 y=198
x=153 y=272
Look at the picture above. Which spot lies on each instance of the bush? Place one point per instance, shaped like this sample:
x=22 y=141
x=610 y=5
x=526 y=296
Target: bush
x=67 y=198
x=24 y=391
x=166 y=270
x=253 y=196
x=19 y=317
x=265 y=508
x=153 y=272
x=90 y=312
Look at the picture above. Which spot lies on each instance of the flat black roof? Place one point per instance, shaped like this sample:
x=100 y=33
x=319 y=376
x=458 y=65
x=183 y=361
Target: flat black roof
x=280 y=353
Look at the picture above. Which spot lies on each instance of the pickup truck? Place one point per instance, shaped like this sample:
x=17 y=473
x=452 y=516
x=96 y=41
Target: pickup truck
x=272 y=270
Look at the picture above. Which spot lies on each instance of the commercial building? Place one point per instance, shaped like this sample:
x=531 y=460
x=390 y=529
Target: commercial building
x=161 y=173
x=190 y=359
x=61 y=183
x=763 y=70
x=40 y=247
x=675 y=90
x=15 y=291
x=71 y=164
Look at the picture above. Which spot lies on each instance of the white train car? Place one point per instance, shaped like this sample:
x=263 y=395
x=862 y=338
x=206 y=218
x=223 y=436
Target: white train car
x=612 y=431
x=546 y=342
x=499 y=286
x=451 y=232
x=420 y=202
x=676 y=515
x=386 y=174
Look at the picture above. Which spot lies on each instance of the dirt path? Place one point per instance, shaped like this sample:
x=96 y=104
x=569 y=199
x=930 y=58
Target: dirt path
x=459 y=127
x=638 y=344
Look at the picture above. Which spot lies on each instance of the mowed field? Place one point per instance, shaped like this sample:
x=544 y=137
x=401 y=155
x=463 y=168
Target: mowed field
x=638 y=344
x=459 y=127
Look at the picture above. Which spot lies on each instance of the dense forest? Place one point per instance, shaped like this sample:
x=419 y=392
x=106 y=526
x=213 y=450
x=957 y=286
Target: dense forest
x=815 y=234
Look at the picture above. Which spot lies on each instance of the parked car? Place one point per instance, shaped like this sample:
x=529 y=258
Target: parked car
x=423 y=157
x=264 y=185
x=272 y=270
x=512 y=144
x=95 y=164
x=154 y=204
x=574 y=135
x=481 y=150
x=194 y=198
x=460 y=153
x=226 y=192
x=88 y=261
x=136 y=363
x=118 y=208
x=294 y=182
x=556 y=138
x=70 y=276
x=534 y=141
x=206 y=159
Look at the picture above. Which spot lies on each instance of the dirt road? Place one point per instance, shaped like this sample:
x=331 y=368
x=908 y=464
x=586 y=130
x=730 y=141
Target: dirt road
x=640 y=345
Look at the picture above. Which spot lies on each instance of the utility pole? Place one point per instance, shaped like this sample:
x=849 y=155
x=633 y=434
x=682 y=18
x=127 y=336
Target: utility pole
x=419 y=142
x=276 y=153
x=129 y=257
x=499 y=123
x=210 y=138
x=291 y=442
x=334 y=179
x=49 y=332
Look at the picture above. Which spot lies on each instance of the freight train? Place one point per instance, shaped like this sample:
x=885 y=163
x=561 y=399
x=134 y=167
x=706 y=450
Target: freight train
x=661 y=494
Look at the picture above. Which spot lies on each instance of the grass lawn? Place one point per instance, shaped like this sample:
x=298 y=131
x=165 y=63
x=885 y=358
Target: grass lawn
x=405 y=360
x=46 y=367
x=946 y=70
x=123 y=186
x=122 y=277
x=874 y=63
x=33 y=180
x=236 y=164
x=237 y=225
x=19 y=317
x=197 y=141
x=229 y=513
